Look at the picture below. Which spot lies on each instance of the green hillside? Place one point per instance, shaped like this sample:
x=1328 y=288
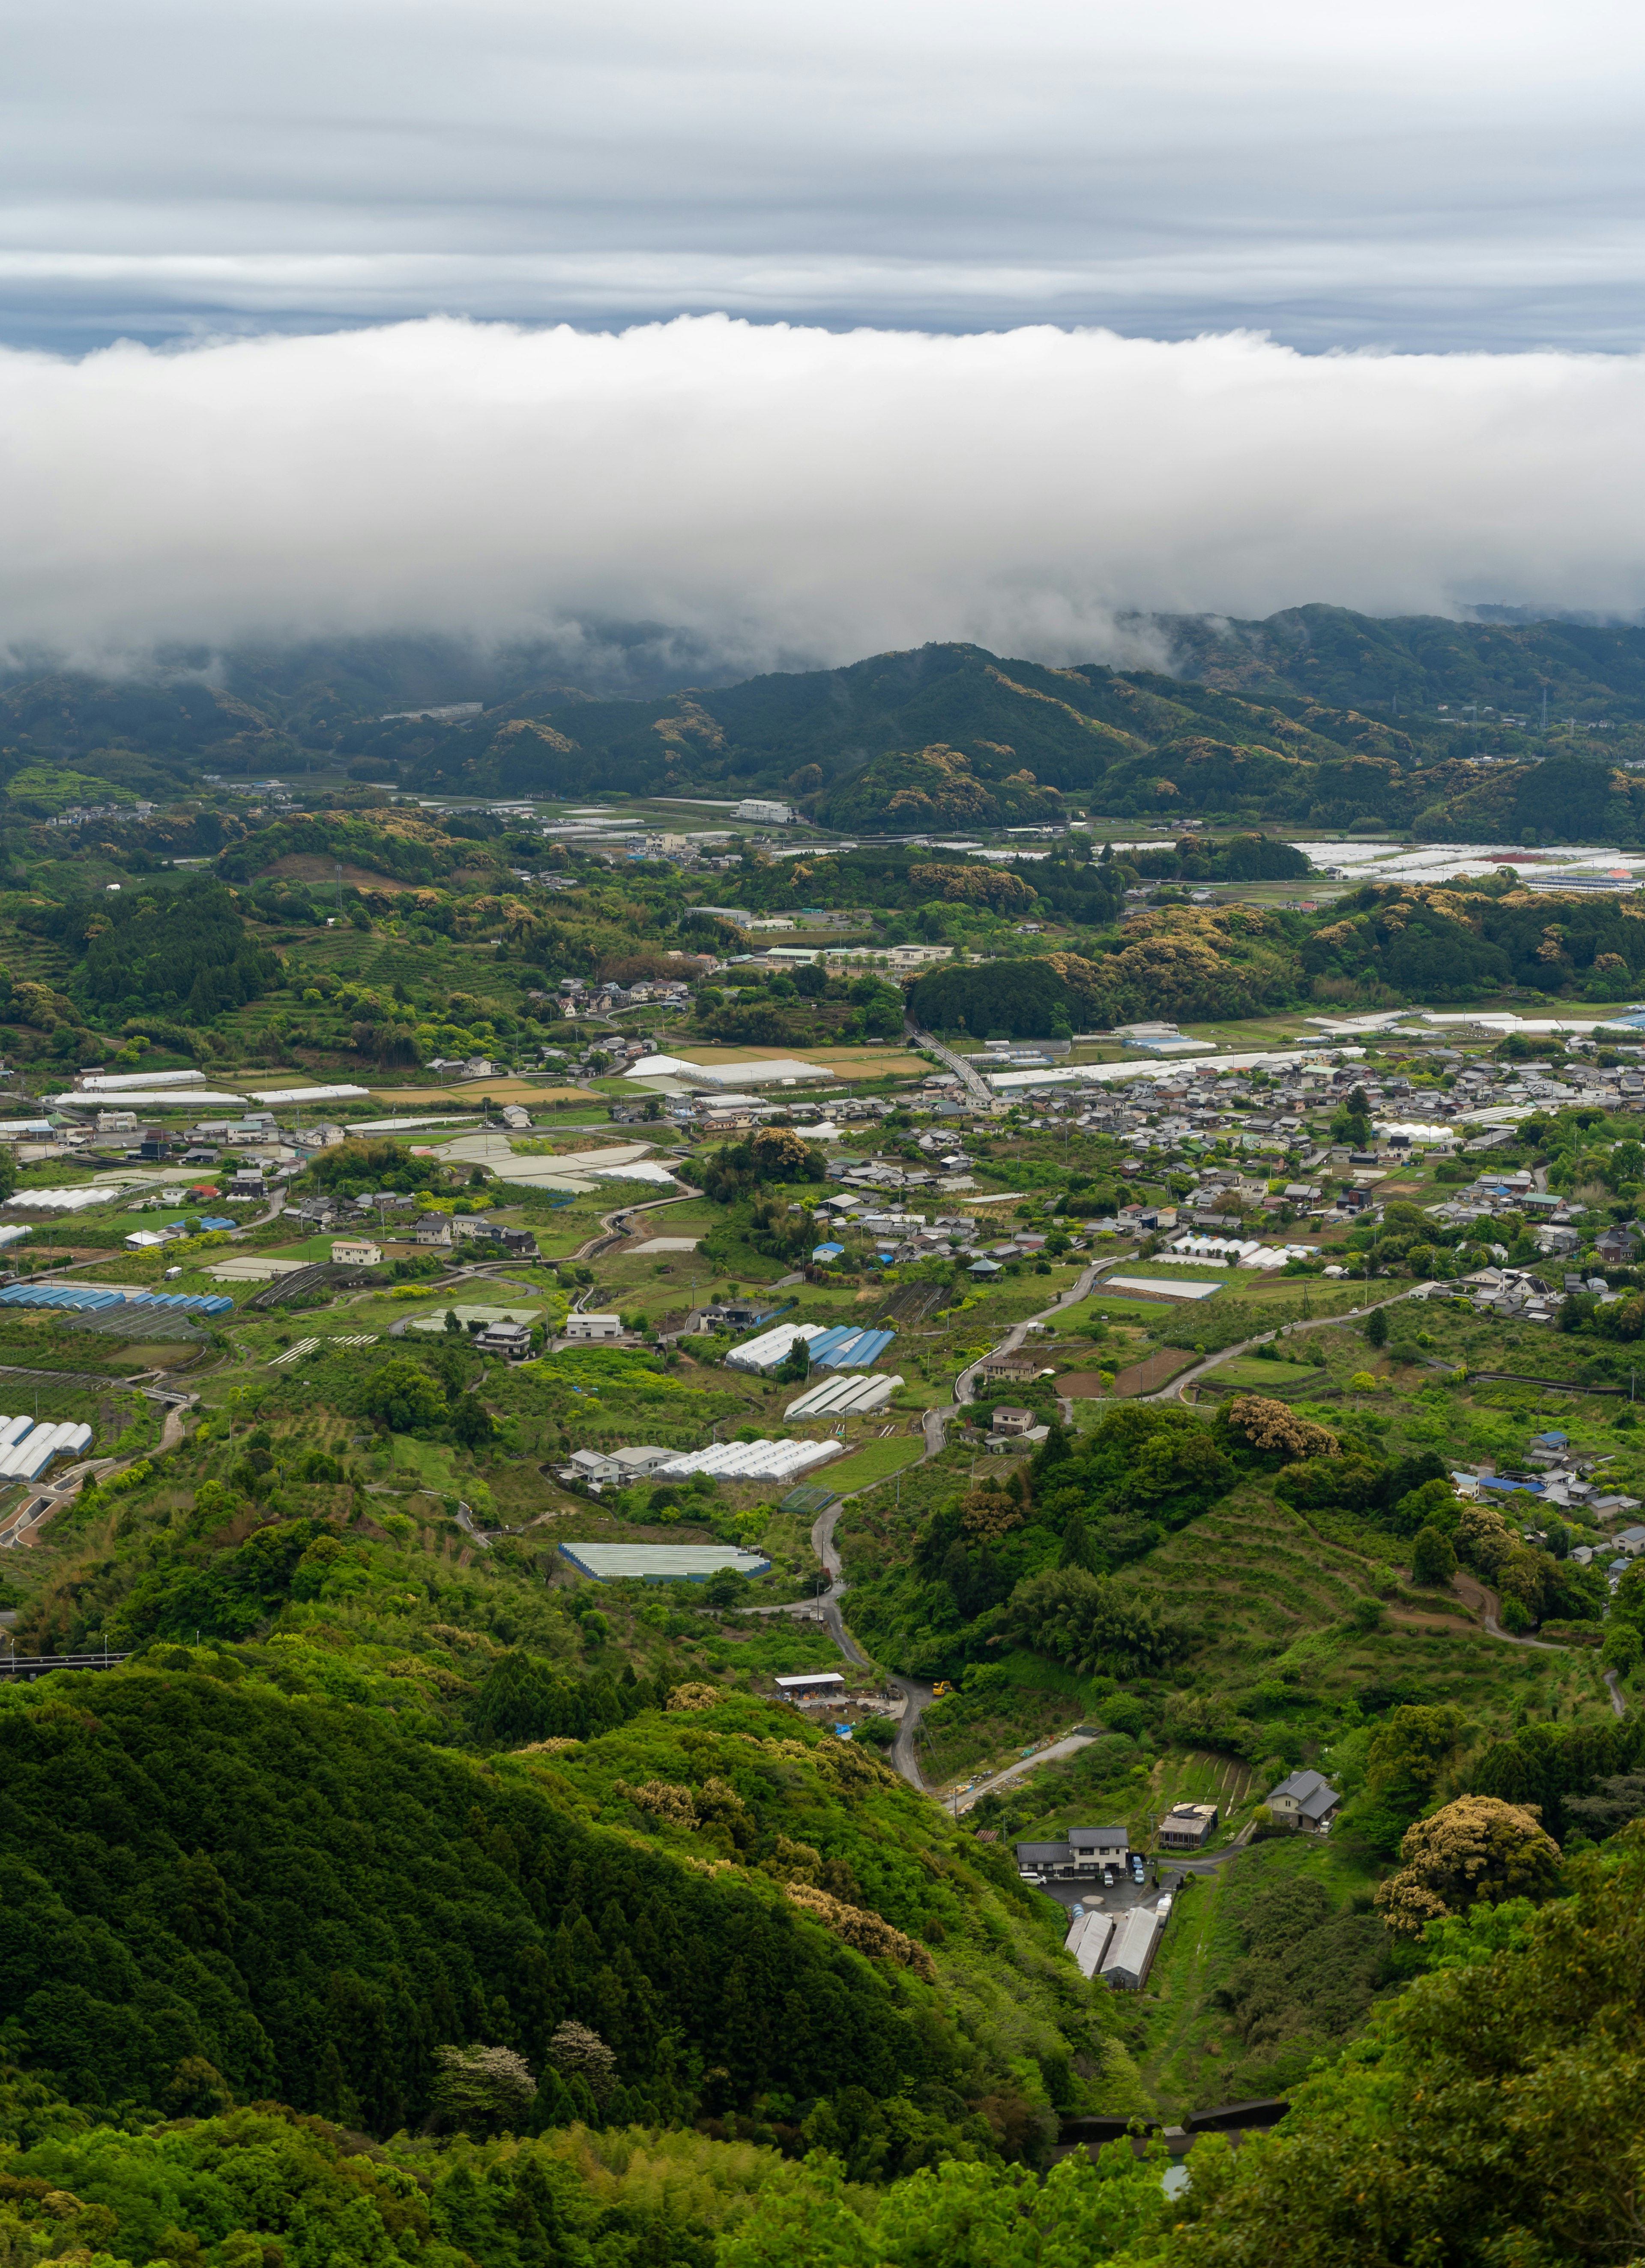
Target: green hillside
x=1317 y=714
x=1332 y=655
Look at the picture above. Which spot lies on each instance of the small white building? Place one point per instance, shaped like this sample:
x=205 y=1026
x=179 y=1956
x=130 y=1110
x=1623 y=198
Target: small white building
x=644 y=1458
x=356 y=1252
x=593 y=1326
x=771 y=814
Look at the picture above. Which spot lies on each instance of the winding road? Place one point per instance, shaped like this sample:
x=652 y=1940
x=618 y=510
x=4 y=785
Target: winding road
x=1174 y=1390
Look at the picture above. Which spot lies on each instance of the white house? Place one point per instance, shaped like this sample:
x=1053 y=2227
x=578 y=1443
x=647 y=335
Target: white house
x=593 y=1326
x=356 y=1252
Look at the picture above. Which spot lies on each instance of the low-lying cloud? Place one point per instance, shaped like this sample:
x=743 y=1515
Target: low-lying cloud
x=782 y=495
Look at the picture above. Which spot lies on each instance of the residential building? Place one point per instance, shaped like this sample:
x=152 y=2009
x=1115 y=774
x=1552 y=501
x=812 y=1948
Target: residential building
x=1086 y=1852
x=639 y=1463
x=593 y=1326
x=1187 y=1826
x=434 y=1228
x=591 y=1465
x=512 y=1341
x=1008 y=1366
x=356 y=1252
x=1015 y=1422
x=1304 y=1800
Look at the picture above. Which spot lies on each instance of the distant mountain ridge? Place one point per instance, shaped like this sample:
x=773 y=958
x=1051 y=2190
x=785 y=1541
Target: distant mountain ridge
x=1260 y=720
x=1350 y=661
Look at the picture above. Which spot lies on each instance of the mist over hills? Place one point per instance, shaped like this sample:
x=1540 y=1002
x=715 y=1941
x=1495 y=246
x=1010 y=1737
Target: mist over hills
x=1315 y=714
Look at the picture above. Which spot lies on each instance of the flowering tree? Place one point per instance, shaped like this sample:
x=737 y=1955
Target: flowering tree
x=575 y=2050
x=1476 y=1848
x=479 y=2089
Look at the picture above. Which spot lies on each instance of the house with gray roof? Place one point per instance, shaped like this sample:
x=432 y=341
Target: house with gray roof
x=1306 y=1801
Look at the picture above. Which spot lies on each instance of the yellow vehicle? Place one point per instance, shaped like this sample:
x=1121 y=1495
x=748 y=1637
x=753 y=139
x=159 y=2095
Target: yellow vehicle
x=940 y=1687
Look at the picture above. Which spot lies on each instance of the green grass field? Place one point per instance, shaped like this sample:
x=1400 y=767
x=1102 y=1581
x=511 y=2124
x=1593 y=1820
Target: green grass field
x=875 y=1461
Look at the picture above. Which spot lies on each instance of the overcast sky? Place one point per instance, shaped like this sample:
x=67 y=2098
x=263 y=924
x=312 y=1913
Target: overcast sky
x=1415 y=173
x=811 y=332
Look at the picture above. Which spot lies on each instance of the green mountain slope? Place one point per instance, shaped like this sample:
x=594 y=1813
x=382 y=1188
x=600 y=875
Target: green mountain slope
x=1317 y=685
x=1332 y=655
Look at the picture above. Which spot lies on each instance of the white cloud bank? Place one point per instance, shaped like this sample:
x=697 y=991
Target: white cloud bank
x=785 y=493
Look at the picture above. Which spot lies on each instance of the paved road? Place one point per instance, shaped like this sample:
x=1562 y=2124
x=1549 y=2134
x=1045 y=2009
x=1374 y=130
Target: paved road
x=614 y=1225
x=1069 y=1747
x=1082 y=1287
x=32 y=1515
x=969 y=1079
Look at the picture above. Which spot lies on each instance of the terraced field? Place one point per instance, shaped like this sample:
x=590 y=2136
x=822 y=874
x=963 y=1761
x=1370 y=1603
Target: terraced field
x=1256 y=1577
x=1272 y=1595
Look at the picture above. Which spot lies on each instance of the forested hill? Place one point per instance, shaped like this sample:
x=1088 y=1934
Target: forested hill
x=1276 y=719
x=1348 y=660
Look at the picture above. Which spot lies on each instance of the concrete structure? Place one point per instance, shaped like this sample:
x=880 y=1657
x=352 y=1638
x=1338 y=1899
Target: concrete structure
x=593 y=1326
x=1013 y=1421
x=770 y=814
x=662 y=1563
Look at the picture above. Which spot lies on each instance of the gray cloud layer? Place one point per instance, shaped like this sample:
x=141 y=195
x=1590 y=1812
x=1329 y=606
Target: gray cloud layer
x=788 y=494
x=1426 y=171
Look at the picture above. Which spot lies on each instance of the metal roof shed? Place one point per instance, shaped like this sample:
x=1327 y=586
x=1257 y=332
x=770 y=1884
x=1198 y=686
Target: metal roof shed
x=1131 y=1954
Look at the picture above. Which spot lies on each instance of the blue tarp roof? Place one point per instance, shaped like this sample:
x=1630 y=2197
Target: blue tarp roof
x=88 y=1299
x=849 y=1350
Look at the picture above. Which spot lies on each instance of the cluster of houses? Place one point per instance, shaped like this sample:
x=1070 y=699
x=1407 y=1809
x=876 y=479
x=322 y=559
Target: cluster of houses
x=1569 y=1482
x=1120 y=1948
